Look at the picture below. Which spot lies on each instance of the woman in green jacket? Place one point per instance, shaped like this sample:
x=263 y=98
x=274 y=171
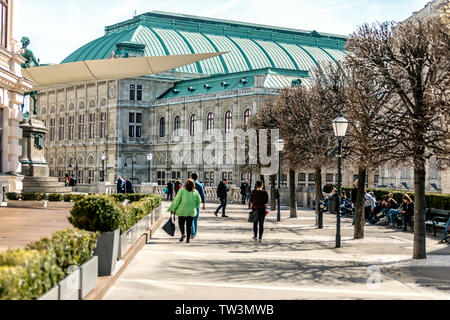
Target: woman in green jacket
x=185 y=207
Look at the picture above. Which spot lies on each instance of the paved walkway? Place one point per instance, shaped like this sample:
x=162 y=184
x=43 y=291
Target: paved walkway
x=295 y=261
x=20 y=226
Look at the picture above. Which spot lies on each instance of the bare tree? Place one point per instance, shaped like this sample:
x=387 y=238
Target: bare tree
x=413 y=61
x=306 y=126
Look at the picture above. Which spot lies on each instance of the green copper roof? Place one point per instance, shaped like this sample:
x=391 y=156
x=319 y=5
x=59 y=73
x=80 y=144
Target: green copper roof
x=249 y=46
x=273 y=78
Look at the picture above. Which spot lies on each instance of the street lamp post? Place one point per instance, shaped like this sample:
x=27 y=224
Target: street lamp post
x=149 y=159
x=103 y=167
x=76 y=167
x=279 y=145
x=133 y=160
x=340 y=126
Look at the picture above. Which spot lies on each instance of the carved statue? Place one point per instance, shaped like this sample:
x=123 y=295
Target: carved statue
x=28 y=54
x=30 y=63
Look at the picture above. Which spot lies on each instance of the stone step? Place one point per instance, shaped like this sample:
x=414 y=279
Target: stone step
x=49 y=184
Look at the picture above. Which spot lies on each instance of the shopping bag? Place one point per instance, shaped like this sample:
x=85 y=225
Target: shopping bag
x=252 y=216
x=169 y=227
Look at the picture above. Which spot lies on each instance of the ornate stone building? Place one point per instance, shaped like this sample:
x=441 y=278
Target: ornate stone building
x=12 y=88
x=122 y=121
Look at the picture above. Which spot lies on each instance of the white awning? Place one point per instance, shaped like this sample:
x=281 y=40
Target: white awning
x=58 y=75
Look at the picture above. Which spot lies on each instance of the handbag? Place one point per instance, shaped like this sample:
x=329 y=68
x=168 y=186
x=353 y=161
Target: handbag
x=169 y=227
x=252 y=215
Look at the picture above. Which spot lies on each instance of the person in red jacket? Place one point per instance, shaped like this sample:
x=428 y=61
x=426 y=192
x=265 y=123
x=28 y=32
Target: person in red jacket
x=259 y=200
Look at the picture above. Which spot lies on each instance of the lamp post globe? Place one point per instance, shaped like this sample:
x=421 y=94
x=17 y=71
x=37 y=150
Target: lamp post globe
x=340 y=127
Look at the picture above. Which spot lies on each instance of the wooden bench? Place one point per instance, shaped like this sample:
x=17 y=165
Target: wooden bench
x=436 y=219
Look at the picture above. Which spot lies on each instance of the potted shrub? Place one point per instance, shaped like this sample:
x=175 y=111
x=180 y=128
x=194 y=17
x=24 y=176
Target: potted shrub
x=73 y=249
x=100 y=213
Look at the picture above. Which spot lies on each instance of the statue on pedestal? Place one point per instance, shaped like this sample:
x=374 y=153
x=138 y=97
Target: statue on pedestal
x=30 y=62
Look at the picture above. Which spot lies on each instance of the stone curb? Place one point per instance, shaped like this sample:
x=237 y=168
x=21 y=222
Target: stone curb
x=105 y=283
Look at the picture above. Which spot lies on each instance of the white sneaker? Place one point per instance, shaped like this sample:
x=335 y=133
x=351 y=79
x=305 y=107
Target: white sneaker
x=259 y=240
x=255 y=238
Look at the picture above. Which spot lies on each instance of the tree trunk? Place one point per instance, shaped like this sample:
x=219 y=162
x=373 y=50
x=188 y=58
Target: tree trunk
x=419 y=210
x=292 y=194
x=273 y=192
x=318 y=186
x=360 y=219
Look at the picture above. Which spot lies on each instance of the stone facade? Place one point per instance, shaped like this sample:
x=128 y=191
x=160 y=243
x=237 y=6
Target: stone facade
x=12 y=88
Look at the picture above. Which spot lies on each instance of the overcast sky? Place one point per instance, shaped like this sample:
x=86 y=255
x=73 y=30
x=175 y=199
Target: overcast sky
x=59 y=27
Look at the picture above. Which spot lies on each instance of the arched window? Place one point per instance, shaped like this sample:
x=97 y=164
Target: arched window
x=162 y=127
x=177 y=125
x=247 y=115
x=210 y=122
x=228 y=121
x=193 y=123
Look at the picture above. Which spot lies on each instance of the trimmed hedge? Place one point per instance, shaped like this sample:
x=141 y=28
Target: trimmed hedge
x=55 y=197
x=69 y=197
x=72 y=247
x=27 y=274
x=106 y=213
x=33 y=196
x=96 y=213
x=13 y=196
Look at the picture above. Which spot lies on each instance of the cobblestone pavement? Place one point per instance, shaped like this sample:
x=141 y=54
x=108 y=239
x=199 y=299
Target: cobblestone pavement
x=295 y=261
x=20 y=226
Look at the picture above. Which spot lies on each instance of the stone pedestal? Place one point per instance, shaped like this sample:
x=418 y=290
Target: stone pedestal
x=34 y=165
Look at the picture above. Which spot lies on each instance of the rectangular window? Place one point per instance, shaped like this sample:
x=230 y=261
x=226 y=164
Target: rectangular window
x=131 y=132
x=80 y=176
x=138 y=132
x=4 y=23
x=132 y=92
x=302 y=177
x=81 y=127
x=52 y=129
x=91 y=178
x=377 y=179
x=131 y=117
x=103 y=125
x=311 y=187
x=355 y=177
x=61 y=129
x=284 y=180
x=161 y=178
x=329 y=177
x=176 y=175
x=139 y=93
x=138 y=117
x=209 y=178
x=61 y=175
x=52 y=173
x=71 y=127
x=92 y=126
x=311 y=177
x=228 y=175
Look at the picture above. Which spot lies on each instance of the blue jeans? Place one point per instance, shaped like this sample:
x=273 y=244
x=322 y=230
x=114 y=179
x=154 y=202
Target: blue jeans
x=391 y=214
x=195 y=223
x=446 y=230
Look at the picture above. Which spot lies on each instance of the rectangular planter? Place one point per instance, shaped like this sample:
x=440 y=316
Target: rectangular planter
x=107 y=251
x=60 y=204
x=88 y=277
x=26 y=204
x=69 y=288
x=53 y=294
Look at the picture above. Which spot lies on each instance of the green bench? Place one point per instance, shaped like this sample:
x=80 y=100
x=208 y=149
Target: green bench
x=436 y=219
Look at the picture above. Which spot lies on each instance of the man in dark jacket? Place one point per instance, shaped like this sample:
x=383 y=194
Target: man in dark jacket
x=222 y=195
x=177 y=186
x=170 y=191
x=244 y=190
x=119 y=184
x=128 y=186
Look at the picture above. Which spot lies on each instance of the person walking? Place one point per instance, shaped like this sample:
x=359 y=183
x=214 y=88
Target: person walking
x=170 y=191
x=201 y=191
x=244 y=187
x=185 y=207
x=259 y=200
x=73 y=181
x=119 y=185
x=177 y=186
x=222 y=195
x=66 y=180
x=128 y=186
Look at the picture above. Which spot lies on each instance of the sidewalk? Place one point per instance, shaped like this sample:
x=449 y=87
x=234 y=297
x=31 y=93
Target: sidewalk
x=295 y=261
x=20 y=226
